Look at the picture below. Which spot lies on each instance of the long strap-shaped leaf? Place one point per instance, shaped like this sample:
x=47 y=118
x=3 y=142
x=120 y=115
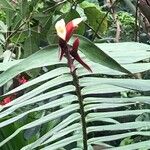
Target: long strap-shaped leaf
x=43 y=120
x=45 y=57
x=94 y=53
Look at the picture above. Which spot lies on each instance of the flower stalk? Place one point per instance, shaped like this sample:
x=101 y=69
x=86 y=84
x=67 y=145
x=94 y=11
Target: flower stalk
x=82 y=112
x=64 y=33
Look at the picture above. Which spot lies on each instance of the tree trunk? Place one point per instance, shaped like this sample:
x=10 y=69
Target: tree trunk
x=144 y=6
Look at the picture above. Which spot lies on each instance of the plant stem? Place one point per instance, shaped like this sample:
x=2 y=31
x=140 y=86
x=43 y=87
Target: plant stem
x=136 y=22
x=80 y=98
x=79 y=95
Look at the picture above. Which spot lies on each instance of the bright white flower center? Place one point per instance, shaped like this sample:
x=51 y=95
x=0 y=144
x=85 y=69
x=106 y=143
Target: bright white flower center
x=60 y=27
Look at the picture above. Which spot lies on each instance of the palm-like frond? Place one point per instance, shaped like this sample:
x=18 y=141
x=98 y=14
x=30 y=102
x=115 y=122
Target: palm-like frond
x=53 y=94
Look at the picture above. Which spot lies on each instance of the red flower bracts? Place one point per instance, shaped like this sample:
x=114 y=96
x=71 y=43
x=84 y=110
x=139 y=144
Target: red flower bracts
x=7 y=99
x=64 y=33
x=21 y=80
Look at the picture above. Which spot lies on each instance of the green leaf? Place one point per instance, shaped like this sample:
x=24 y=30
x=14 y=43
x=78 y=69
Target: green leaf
x=1 y=52
x=6 y=65
x=2 y=39
x=10 y=17
x=36 y=99
x=86 y=4
x=97 y=140
x=64 y=142
x=24 y=8
x=121 y=113
x=40 y=89
x=47 y=76
x=93 y=1
x=119 y=126
x=45 y=20
x=118 y=51
x=45 y=57
x=92 y=9
x=6 y=4
x=98 y=21
x=51 y=116
x=3 y=27
x=91 y=51
x=140 y=99
x=126 y=141
x=57 y=128
x=4 y=132
x=102 y=89
x=30 y=45
x=63 y=132
x=65 y=7
x=141 y=85
x=105 y=106
x=144 y=144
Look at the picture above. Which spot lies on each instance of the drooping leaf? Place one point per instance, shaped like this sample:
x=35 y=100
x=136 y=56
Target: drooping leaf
x=91 y=51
